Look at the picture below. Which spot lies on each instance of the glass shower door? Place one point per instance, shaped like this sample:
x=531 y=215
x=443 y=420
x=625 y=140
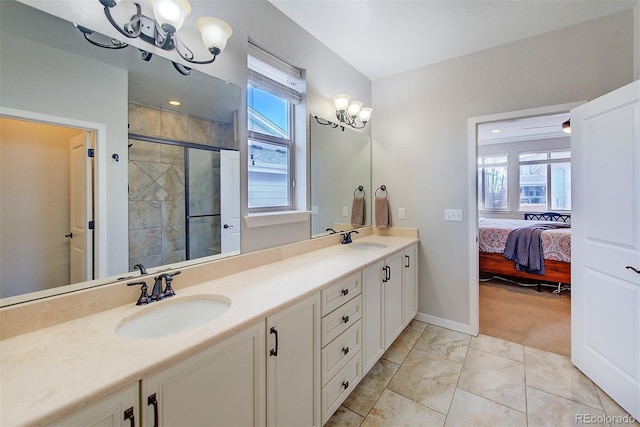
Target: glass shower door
x=203 y=203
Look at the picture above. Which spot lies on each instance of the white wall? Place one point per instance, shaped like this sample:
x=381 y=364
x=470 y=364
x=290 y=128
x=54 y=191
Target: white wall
x=420 y=135
x=636 y=38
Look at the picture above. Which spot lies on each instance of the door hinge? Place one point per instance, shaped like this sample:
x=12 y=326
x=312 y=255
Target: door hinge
x=92 y=225
x=91 y=152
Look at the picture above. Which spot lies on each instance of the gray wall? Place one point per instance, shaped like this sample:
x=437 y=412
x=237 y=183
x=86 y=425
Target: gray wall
x=420 y=148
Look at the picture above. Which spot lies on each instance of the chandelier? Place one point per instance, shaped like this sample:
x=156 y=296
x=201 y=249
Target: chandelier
x=162 y=30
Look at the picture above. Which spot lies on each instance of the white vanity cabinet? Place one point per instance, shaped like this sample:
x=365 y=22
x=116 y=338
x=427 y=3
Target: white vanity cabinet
x=220 y=386
x=410 y=283
x=293 y=365
x=118 y=410
x=341 y=341
x=382 y=295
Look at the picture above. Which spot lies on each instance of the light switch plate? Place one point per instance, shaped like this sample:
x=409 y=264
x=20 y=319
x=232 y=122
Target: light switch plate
x=401 y=213
x=345 y=211
x=453 y=215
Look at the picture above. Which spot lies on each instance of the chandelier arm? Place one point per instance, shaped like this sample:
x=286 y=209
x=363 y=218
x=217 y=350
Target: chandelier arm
x=119 y=45
x=188 y=56
x=130 y=29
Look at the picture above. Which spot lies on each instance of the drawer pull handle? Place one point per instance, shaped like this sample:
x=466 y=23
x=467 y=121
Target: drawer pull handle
x=274 y=352
x=345 y=385
x=408 y=264
x=128 y=415
x=345 y=292
x=151 y=400
x=345 y=350
x=345 y=319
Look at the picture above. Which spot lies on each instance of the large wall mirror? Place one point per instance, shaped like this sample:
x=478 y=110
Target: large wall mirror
x=340 y=178
x=177 y=165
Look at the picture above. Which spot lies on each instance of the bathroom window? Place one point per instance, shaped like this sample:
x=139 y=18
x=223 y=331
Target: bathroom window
x=273 y=92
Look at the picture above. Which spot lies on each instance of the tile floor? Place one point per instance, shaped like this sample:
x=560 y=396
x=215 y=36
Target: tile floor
x=431 y=376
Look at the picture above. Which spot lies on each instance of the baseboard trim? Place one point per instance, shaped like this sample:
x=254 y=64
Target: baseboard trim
x=445 y=323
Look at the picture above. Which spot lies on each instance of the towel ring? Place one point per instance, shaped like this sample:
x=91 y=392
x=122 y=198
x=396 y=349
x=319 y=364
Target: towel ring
x=360 y=188
x=383 y=188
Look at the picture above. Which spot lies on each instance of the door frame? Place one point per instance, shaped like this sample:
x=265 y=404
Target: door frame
x=100 y=166
x=472 y=207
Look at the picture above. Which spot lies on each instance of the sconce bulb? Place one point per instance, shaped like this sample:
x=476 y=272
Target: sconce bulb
x=215 y=32
x=170 y=14
x=341 y=101
x=365 y=114
x=354 y=108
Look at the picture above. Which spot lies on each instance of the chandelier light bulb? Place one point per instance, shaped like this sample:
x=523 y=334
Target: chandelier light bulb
x=354 y=108
x=365 y=114
x=170 y=14
x=215 y=32
x=341 y=101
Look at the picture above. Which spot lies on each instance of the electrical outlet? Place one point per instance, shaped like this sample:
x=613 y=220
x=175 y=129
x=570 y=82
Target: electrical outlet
x=401 y=213
x=453 y=215
x=345 y=211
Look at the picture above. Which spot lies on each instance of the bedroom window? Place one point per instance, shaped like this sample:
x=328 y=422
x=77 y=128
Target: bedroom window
x=273 y=93
x=493 y=182
x=545 y=181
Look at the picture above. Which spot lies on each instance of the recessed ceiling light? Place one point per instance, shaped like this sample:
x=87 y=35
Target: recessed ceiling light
x=495 y=131
x=175 y=102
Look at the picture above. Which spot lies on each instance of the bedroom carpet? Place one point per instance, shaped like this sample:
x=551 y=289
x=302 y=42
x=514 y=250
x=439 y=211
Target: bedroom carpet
x=522 y=315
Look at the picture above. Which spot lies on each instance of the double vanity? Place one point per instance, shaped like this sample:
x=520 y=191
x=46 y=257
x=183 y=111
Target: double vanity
x=275 y=337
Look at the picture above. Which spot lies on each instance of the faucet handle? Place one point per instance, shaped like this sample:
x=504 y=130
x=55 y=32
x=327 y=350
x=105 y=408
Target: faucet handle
x=144 y=296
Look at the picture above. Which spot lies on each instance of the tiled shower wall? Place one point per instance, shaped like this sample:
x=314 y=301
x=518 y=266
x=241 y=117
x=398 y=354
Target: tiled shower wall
x=157 y=185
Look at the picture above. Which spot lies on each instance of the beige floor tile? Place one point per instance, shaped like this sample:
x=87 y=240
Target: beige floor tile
x=556 y=375
x=495 y=378
x=417 y=325
x=548 y=410
x=467 y=410
x=365 y=395
x=497 y=346
x=428 y=379
x=618 y=416
x=344 y=418
x=395 y=410
x=444 y=342
x=401 y=347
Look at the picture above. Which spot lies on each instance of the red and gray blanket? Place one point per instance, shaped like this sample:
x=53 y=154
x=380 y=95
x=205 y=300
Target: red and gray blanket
x=524 y=247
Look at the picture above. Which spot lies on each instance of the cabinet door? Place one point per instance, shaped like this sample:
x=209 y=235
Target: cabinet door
x=293 y=365
x=373 y=344
x=410 y=284
x=221 y=386
x=393 y=320
x=117 y=410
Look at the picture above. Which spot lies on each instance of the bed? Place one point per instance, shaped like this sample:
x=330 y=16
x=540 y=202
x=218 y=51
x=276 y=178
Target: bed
x=556 y=244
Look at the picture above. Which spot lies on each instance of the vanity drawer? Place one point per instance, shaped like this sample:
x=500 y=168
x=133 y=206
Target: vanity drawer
x=340 y=319
x=340 y=351
x=340 y=292
x=337 y=390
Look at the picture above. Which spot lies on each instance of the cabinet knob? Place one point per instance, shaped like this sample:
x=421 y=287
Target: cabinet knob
x=345 y=292
x=345 y=350
x=345 y=385
x=345 y=319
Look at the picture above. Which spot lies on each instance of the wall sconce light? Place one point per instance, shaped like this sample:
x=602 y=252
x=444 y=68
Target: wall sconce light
x=566 y=126
x=351 y=113
x=162 y=30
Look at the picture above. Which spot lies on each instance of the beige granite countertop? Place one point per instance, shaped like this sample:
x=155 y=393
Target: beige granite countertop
x=50 y=373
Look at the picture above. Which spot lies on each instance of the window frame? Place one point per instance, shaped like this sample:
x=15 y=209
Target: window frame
x=547 y=162
x=481 y=181
x=288 y=143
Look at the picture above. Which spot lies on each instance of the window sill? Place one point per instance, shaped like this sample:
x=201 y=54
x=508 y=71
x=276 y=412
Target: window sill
x=275 y=218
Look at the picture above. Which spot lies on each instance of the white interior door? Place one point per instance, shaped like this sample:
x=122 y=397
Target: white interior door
x=230 y=200
x=80 y=209
x=605 y=222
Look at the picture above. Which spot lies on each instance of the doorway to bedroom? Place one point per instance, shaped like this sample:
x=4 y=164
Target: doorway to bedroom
x=523 y=173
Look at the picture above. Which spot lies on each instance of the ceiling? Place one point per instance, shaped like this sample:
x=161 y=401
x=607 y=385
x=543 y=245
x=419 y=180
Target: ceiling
x=522 y=129
x=385 y=37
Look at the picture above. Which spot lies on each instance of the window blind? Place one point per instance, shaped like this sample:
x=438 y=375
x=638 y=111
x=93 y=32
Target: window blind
x=271 y=74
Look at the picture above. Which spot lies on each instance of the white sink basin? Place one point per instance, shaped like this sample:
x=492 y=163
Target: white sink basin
x=173 y=315
x=363 y=246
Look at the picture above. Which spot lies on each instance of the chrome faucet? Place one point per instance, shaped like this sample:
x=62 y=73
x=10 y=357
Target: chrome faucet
x=346 y=237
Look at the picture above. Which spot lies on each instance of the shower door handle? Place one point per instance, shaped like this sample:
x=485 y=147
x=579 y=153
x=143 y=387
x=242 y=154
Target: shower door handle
x=70 y=235
x=227 y=226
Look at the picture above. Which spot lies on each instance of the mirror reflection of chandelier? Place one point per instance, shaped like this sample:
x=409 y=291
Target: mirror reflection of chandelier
x=162 y=30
